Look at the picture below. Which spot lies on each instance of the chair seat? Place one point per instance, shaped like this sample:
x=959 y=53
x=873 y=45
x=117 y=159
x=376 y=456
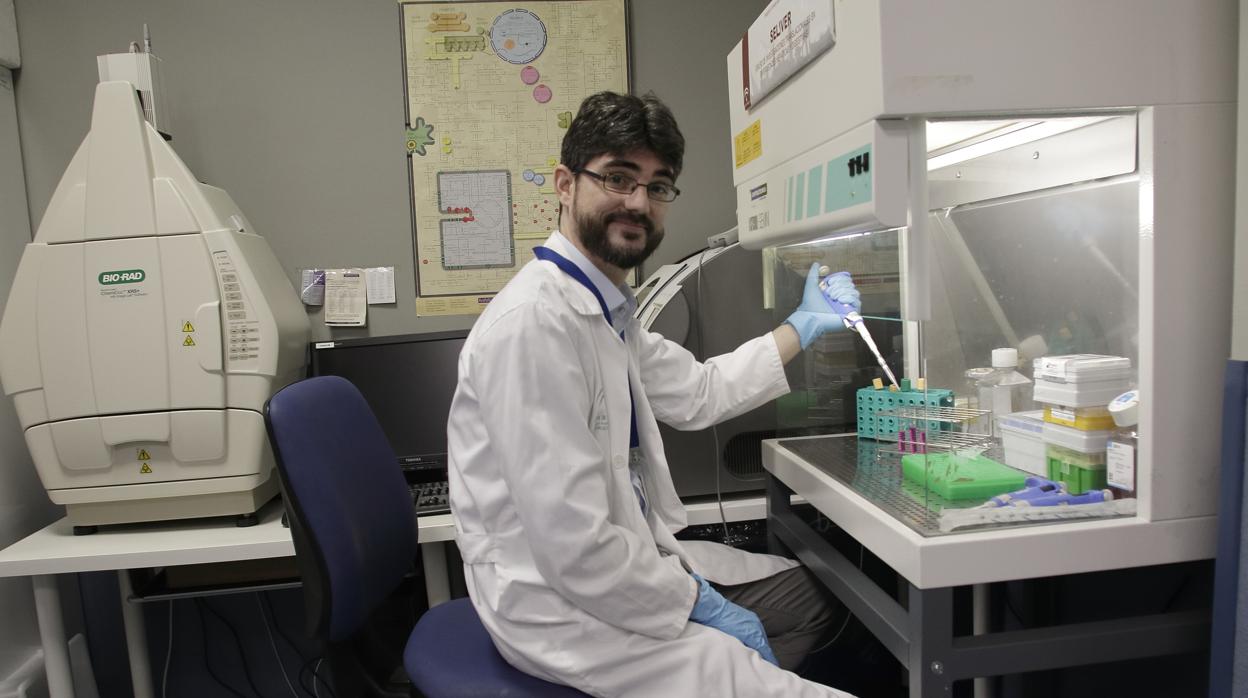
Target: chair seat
x=450 y=654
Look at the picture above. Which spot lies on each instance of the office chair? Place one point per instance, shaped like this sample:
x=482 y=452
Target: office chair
x=353 y=525
x=355 y=534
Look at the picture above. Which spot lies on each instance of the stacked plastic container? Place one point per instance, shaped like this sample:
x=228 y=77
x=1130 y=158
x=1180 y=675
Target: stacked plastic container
x=1022 y=437
x=1076 y=390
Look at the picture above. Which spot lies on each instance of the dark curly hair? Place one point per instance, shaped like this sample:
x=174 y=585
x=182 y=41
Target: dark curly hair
x=609 y=122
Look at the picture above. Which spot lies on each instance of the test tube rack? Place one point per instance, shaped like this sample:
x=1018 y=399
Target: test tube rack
x=924 y=428
x=876 y=405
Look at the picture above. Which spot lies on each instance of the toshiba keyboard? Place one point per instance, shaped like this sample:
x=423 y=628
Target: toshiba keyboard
x=430 y=498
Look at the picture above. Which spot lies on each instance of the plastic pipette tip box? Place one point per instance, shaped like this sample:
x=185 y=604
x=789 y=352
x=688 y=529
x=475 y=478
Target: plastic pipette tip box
x=1079 y=471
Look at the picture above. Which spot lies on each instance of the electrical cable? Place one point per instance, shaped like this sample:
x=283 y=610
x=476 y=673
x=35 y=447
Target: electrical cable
x=848 y=615
x=203 y=631
x=317 y=679
x=697 y=325
x=268 y=629
x=305 y=668
x=238 y=643
x=304 y=662
x=164 y=675
x=278 y=627
x=1009 y=605
x=1175 y=596
x=316 y=676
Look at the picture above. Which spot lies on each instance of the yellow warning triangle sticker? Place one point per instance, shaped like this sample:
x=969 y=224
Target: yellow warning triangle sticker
x=143 y=455
x=188 y=342
x=146 y=469
x=188 y=327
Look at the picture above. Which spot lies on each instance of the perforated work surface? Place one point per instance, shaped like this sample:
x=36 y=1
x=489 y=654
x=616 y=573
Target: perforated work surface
x=854 y=462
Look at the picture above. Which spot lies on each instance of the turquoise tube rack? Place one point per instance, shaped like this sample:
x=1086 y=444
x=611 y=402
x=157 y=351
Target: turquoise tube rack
x=872 y=401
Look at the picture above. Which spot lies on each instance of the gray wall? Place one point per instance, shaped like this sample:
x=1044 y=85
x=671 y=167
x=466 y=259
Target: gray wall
x=23 y=505
x=1239 y=351
x=296 y=108
x=1239 y=312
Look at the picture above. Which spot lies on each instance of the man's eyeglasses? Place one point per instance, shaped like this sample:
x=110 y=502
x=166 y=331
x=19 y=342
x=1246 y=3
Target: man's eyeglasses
x=621 y=183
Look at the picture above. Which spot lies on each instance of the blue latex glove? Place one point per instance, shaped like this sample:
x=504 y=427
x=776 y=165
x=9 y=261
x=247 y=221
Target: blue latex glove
x=815 y=315
x=714 y=611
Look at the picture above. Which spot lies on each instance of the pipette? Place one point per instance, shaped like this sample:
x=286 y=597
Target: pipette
x=853 y=320
x=1035 y=487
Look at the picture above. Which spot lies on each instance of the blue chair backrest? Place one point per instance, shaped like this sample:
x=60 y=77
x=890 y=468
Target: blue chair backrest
x=350 y=509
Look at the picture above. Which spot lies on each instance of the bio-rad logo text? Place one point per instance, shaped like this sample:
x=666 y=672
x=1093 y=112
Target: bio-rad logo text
x=127 y=276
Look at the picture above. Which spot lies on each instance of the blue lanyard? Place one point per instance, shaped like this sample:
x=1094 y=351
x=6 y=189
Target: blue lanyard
x=548 y=255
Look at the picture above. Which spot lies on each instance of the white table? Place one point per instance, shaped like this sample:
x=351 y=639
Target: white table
x=920 y=633
x=55 y=550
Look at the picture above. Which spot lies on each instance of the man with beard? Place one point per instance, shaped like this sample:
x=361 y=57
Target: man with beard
x=563 y=504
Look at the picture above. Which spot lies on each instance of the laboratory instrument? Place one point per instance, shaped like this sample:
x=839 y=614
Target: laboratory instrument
x=1063 y=497
x=1035 y=487
x=147 y=324
x=1012 y=200
x=853 y=321
x=1019 y=208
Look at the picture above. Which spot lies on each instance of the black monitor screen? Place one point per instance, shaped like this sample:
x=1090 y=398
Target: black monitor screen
x=409 y=381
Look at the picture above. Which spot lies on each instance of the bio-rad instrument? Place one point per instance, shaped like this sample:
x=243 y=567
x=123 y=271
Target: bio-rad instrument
x=853 y=320
x=146 y=326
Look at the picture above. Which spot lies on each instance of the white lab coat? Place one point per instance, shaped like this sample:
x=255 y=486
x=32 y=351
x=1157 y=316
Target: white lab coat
x=562 y=567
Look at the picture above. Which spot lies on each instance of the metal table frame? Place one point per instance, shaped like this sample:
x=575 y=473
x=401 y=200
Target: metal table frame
x=920 y=634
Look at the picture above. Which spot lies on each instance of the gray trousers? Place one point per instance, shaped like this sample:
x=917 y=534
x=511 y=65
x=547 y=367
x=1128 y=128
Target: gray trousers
x=796 y=611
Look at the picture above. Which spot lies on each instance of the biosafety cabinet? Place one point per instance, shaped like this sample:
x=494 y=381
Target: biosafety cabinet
x=146 y=326
x=1050 y=179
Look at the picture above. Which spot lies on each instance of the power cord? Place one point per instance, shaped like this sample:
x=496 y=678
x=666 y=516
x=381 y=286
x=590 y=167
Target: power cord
x=729 y=539
x=164 y=675
x=203 y=630
x=303 y=661
x=278 y=627
x=848 y=615
x=317 y=679
x=316 y=676
x=268 y=628
x=304 y=669
x=238 y=643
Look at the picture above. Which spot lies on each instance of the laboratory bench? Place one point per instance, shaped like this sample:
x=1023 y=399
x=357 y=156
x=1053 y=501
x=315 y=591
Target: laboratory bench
x=55 y=550
x=914 y=616
x=154 y=548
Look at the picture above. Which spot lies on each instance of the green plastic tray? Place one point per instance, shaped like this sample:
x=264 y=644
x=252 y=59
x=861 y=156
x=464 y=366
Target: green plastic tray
x=956 y=477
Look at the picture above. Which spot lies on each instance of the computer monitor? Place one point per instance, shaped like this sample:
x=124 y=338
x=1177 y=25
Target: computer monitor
x=409 y=381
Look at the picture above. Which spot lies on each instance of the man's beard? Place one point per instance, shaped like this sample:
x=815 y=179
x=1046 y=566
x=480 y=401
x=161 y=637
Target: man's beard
x=593 y=229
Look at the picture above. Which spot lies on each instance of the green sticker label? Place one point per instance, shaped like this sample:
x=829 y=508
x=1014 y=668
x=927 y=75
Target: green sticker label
x=126 y=276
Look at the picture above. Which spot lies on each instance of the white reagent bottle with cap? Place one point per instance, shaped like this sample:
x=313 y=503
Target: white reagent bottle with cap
x=1120 y=454
x=1005 y=390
